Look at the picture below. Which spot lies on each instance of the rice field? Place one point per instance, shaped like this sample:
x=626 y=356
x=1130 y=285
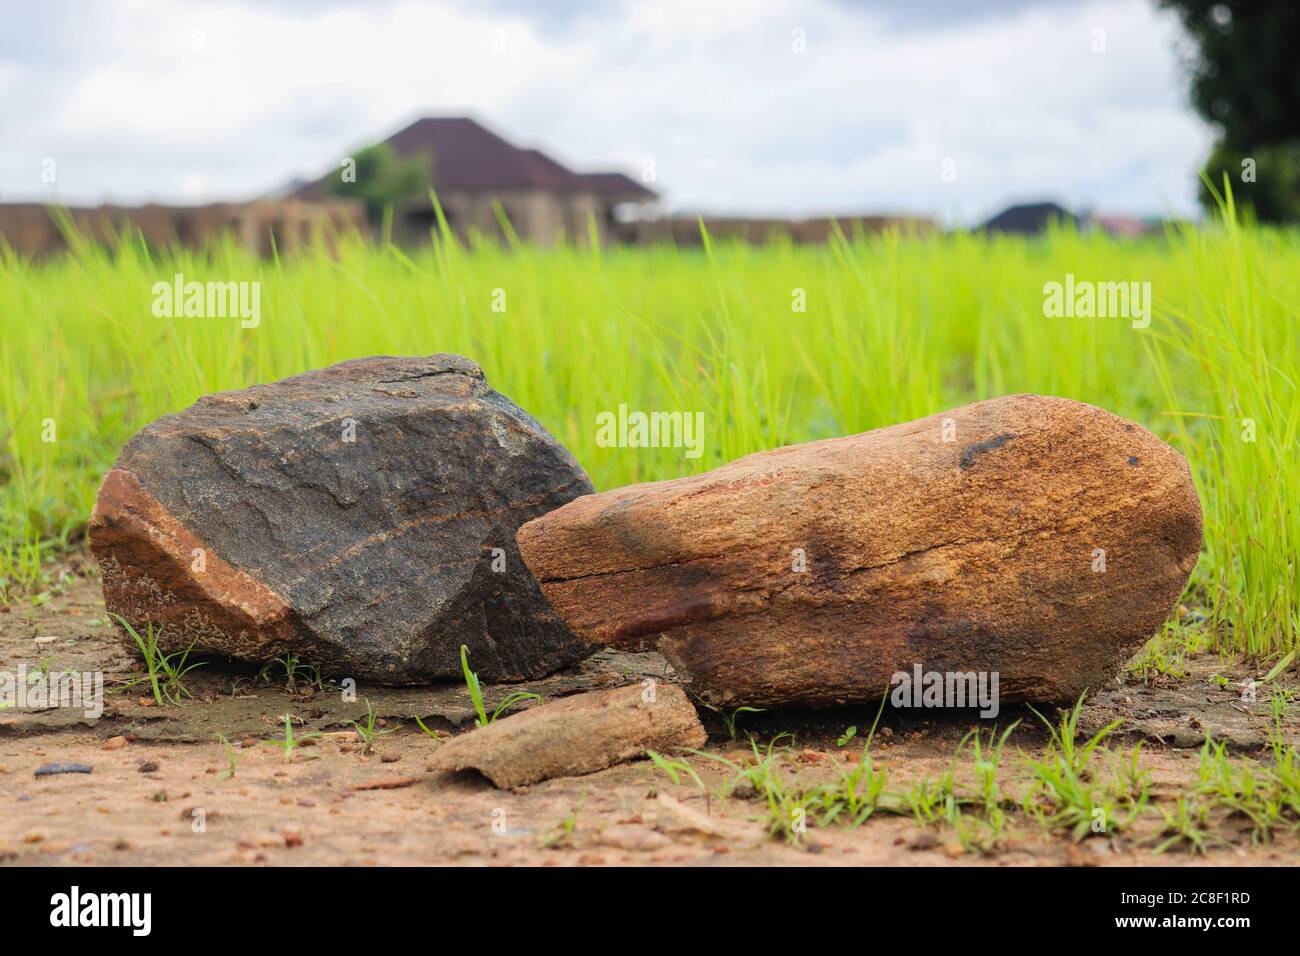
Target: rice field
x=773 y=344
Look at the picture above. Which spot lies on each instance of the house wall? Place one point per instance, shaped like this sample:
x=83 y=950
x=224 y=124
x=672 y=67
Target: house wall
x=31 y=228
x=539 y=217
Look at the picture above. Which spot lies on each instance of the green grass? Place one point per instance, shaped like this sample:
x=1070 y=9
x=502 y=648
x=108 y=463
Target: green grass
x=476 y=694
x=370 y=731
x=1071 y=788
x=291 y=743
x=1069 y=794
x=164 y=673
x=896 y=327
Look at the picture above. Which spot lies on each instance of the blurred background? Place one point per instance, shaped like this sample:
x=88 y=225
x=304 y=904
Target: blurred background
x=633 y=115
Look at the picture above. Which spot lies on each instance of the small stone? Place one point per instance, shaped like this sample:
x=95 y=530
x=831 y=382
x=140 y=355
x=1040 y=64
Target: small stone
x=146 y=702
x=633 y=838
x=51 y=769
x=576 y=735
x=292 y=838
x=248 y=742
x=925 y=840
x=391 y=758
x=113 y=743
x=149 y=766
x=384 y=783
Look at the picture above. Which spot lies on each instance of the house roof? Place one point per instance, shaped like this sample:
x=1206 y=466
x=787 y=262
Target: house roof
x=616 y=184
x=1029 y=218
x=464 y=155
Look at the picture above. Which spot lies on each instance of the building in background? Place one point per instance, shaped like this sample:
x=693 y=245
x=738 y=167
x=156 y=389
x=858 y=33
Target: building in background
x=263 y=226
x=1030 y=219
x=478 y=174
x=482 y=182
x=1034 y=219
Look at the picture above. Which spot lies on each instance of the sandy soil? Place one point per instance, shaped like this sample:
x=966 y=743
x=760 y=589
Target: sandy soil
x=161 y=792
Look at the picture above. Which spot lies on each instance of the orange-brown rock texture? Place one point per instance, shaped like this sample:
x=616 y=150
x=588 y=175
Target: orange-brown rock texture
x=1038 y=538
x=576 y=735
x=361 y=517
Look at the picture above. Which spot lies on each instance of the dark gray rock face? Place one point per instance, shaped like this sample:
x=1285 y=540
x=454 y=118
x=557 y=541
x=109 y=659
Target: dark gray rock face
x=360 y=516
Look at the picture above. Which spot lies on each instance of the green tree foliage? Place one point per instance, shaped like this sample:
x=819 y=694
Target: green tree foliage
x=1245 y=79
x=382 y=179
x=1266 y=179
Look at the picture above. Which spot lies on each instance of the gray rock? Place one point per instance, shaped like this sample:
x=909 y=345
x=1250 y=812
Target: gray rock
x=360 y=516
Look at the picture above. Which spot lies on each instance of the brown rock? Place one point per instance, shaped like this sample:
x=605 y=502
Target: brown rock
x=113 y=743
x=576 y=735
x=968 y=541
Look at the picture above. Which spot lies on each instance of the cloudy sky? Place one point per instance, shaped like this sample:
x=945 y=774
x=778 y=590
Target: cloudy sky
x=750 y=106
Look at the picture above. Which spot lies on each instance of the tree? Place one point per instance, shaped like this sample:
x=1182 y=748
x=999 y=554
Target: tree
x=1245 y=79
x=379 y=179
x=1266 y=179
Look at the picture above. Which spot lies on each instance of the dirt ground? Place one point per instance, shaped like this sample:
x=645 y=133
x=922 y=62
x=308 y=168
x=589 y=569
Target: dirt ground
x=160 y=791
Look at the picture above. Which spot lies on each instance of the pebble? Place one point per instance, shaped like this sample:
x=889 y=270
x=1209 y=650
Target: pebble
x=634 y=838
x=292 y=838
x=50 y=769
x=149 y=766
x=113 y=743
x=391 y=758
x=925 y=840
x=248 y=742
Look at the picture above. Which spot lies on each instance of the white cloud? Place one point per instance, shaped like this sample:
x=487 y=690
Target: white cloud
x=229 y=99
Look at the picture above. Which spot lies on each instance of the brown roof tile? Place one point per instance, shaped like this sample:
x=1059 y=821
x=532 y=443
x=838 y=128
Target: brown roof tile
x=468 y=157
